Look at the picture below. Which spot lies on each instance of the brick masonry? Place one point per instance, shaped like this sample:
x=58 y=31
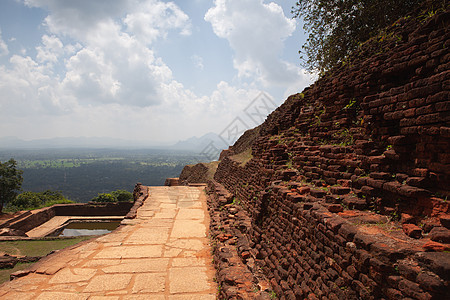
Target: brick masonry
x=346 y=194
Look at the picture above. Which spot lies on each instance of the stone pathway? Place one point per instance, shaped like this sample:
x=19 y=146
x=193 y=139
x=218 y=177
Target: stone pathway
x=162 y=254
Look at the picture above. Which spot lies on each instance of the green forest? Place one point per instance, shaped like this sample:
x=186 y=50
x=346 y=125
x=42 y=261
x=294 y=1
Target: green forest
x=81 y=174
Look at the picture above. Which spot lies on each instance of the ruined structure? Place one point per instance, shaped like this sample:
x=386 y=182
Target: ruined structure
x=346 y=192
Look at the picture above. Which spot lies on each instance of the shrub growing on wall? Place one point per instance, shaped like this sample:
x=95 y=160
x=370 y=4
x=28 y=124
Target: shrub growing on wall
x=336 y=28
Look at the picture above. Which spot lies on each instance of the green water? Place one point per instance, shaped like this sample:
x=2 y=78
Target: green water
x=89 y=228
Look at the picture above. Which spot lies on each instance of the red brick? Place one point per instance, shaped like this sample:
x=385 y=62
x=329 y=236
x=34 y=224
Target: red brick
x=412 y=230
x=435 y=246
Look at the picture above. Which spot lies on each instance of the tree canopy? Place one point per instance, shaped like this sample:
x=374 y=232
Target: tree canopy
x=337 y=27
x=115 y=196
x=10 y=181
x=34 y=200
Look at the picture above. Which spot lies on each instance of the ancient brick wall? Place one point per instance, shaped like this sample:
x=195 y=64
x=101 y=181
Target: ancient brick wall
x=348 y=185
x=310 y=247
x=193 y=174
x=388 y=113
x=378 y=125
x=198 y=173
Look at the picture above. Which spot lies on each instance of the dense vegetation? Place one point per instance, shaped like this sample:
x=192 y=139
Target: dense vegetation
x=81 y=174
x=10 y=181
x=337 y=27
x=34 y=200
x=115 y=196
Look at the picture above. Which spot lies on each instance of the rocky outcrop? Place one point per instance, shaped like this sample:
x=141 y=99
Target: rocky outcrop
x=198 y=173
x=9 y=261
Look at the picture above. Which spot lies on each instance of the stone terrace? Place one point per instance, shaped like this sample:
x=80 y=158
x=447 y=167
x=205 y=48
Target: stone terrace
x=161 y=254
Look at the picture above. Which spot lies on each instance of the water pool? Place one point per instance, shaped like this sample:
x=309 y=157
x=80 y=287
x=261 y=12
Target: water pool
x=89 y=228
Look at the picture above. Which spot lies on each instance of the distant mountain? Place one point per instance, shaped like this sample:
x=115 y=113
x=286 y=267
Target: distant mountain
x=193 y=144
x=199 y=144
x=70 y=142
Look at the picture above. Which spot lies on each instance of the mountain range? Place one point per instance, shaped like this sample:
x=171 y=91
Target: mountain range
x=193 y=144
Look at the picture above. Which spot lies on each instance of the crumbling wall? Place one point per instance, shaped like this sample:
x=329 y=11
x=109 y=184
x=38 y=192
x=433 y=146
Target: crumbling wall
x=348 y=185
x=198 y=173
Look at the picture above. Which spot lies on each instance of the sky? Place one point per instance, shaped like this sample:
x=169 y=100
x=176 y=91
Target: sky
x=148 y=70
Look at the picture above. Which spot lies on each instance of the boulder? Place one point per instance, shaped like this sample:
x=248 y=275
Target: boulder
x=440 y=234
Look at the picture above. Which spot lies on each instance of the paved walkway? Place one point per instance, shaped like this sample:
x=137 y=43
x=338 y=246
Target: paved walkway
x=162 y=254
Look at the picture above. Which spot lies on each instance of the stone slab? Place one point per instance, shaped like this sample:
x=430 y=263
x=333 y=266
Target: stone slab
x=62 y=296
x=108 y=282
x=188 y=280
x=190 y=214
x=67 y=275
x=131 y=252
x=139 y=266
x=149 y=283
x=188 y=229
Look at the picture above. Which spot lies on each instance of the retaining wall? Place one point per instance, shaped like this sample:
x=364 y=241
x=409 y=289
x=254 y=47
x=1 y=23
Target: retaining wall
x=347 y=189
x=40 y=216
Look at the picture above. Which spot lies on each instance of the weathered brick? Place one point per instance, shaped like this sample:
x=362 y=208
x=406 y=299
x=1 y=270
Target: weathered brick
x=313 y=247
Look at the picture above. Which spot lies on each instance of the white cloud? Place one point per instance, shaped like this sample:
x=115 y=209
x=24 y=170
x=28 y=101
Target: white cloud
x=29 y=88
x=146 y=19
x=111 y=66
x=50 y=50
x=90 y=78
x=153 y=19
x=76 y=18
x=3 y=46
x=256 y=32
x=186 y=114
x=197 y=61
x=96 y=71
x=116 y=68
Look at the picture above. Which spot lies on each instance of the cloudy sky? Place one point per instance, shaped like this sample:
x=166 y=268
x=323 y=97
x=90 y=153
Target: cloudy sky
x=142 y=69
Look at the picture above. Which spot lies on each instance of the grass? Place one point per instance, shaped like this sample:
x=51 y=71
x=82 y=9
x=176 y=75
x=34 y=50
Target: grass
x=33 y=248
x=38 y=247
x=63 y=163
x=13 y=209
x=5 y=273
x=212 y=167
x=244 y=157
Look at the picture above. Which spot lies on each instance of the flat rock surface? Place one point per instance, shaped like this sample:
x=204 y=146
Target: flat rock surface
x=162 y=254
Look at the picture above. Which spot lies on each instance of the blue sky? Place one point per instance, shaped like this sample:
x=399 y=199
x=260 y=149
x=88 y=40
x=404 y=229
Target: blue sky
x=151 y=70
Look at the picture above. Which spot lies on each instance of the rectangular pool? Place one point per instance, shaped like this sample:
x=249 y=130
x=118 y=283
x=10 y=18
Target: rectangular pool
x=89 y=228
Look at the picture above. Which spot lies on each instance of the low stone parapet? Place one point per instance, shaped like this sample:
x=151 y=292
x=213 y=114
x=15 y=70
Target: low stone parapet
x=140 y=194
x=171 y=182
x=38 y=217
